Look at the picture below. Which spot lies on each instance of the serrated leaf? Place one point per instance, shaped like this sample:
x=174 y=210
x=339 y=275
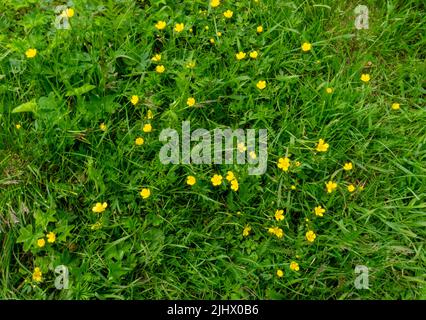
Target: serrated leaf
x=26 y=237
x=25 y=233
x=43 y=218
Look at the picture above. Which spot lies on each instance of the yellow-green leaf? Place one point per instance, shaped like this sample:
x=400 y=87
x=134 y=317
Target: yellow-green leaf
x=30 y=106
x=81 y=90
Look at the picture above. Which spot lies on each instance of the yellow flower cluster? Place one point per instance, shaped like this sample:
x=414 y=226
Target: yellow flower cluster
x=279 y=215
x=233 y=180
x=99 y=207
x=276 y=231
x=37 y=274
x=246 y=231
x=190 y=180
x=51 y=238
x=217 y=179
x=322 y=146
x=145 y=193
x=283 y=164
x=190 y=102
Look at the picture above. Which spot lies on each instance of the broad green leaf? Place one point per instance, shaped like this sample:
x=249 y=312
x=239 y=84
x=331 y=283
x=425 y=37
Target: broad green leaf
x=48 y=103
x=30 y=106
x=81 y=90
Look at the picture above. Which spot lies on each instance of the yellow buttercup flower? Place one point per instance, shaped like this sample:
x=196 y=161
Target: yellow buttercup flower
x=190 y=180
x=228 y=14
x=179 y=27
x=69 y=12
x=41 y=242
x=329 y=90
x=234 y=185
x=160 y=68
x=216 y=180
x=18 y=126
x=294 y=266
x=145 y=193
x=190 y=102
x=214 y=3
x=279 y=232
x=103 y=126
x=139 y=141
x=230 y=176
x=240 y=55
x=395 y=106
x=190 y=65
x=219 y=34
x=306 y=46
x=51 y=237
x=31 y=53
x=283 y=163
x=322 y=146
x=253 y=54
x=156 y=58
x=319 y=211
x=96 y=226
x=259 y=29
x=279 y=215
x=134 y=100
x=160 y=25
x=241 y=147
x=276 y=231
x=261 y=84
x=310 y=236
x=293 y=187
x=99 y=207
x=280 y=273
x=252 y=155
x=37 y=274
x=211 y=40
x=331 y=186
x=246 y=231
x=147 y=128
x=206 y=27
x=347 y=166
x=351 y=188
x=365 y=77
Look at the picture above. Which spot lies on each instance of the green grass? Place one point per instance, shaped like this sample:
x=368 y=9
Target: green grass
x=186 y=242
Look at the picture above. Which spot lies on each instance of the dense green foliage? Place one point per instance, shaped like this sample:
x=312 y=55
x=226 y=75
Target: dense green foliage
x=186 y=241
